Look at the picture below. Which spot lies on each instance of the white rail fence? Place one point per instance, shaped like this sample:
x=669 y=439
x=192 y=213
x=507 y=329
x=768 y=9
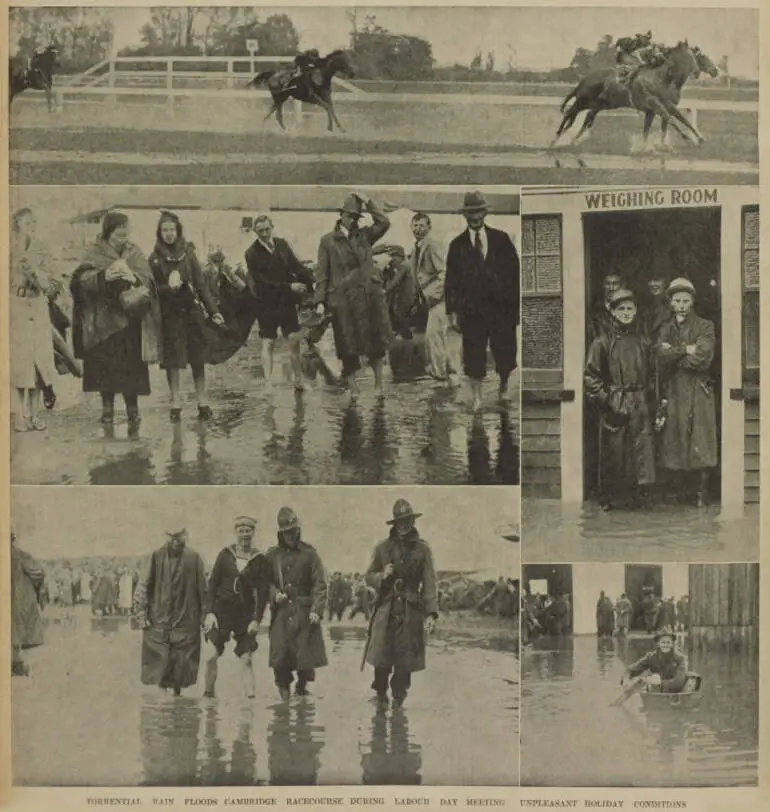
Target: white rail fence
x=119 y=77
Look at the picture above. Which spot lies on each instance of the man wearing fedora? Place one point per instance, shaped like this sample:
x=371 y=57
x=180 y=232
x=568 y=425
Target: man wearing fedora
x=349 y=286
x=238 y=590
x=406 y=605
x=297 y=601
x=482 y=296
x=168 y=604
x=279 y=282
x=664 y=669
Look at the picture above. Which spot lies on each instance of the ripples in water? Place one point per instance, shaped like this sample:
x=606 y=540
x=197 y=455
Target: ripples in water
x=567 y=688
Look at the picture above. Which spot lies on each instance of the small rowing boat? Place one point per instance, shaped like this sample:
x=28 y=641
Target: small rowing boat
x=688 y=697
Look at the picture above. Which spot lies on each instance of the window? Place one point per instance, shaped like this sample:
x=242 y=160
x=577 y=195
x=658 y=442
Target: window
x=541 y=251
x=542 y=309
x=750 y=275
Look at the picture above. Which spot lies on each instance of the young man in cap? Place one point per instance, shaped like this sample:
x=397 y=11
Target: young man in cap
x=238 y=590
x=297 y=601
x=279 y=282
x=482 y=296
x=685 y=352
x=406 y=605
x=349 y=286
x=664 y=669
x=168 y=604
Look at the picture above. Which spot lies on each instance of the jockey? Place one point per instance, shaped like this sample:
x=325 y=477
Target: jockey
x=304 y=62
x=637 y=52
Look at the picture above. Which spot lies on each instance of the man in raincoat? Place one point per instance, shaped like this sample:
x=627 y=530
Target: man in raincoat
x=664 y=669
x=26 y=623
x=297 y=601
x=406 y=606
x=168 y=604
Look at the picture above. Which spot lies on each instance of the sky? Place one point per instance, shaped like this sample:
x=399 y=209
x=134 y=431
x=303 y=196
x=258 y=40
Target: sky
x=462 y=525
x=539 y=38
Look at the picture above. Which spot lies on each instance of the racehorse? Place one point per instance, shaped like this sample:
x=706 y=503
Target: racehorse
x=38 y=75
x=601 y=90
x=313 y=87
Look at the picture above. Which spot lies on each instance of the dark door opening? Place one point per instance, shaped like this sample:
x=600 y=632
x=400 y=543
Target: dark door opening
x=676 y=242
x=642 y=580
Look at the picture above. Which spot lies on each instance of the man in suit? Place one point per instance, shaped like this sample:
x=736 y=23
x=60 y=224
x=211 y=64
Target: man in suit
x=428 y=258
x=482 y=296
x=279 y=281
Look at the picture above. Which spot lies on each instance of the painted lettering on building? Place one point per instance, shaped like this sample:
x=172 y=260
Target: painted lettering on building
x=652 y=198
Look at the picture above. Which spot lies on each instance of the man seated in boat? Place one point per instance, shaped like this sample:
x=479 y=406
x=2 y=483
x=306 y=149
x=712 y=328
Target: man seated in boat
x=662 y=670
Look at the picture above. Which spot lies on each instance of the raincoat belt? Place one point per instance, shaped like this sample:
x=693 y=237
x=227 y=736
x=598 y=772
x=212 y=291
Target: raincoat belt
x=634 y=388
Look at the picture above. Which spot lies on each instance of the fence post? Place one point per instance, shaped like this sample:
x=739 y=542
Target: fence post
x=170 y=85
x=111 y=80
x=298 y=111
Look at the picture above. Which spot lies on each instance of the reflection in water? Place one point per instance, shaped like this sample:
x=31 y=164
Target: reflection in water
x=710 y=743
x=331 y=738
x=294 y=744
x=420 y=434
x=559 y=531
x=392 y=757
x=168 y=732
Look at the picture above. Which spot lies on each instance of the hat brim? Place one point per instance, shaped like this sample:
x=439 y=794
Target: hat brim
x=292 y=526
x=472 y=209
x=405 y=516
x=681 y=289
x=348 y=211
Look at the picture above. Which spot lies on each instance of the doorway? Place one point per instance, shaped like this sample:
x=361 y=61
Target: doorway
x=674 y=242
x=641 y=580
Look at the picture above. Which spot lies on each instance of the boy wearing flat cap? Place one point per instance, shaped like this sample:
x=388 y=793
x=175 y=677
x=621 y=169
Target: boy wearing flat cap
x=235 y=603
x=406 y=606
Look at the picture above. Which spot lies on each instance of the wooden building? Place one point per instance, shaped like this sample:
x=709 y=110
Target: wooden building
x=571 y=237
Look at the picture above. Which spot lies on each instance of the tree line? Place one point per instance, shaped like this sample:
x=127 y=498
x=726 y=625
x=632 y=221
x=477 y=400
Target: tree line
x=85 y=36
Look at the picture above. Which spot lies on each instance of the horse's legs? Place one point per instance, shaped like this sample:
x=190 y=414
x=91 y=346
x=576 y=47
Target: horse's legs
x=279 y=114
x=49 y=98
x=273 y=109
x=331 y=116
x=674 y=111
x=567 y=121
x=588 y=122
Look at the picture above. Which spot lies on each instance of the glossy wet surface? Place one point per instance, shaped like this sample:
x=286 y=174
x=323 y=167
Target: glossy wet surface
x=560 y=532
x=83 y=717
x=419 y=434
x=571 y=736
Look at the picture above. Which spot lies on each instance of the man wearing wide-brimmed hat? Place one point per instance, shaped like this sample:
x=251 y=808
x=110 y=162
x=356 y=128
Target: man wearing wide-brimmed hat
x=349 y=286
x=685 y=352
x=482 y=296
x=406 y=605
x=238 y=591
x=168 y=604
x=664 y=668
x=297 y=601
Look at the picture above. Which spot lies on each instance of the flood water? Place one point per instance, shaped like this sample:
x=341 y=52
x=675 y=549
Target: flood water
x=420 y=434
x=83 y=718
x=571 y=736
x=562 y=532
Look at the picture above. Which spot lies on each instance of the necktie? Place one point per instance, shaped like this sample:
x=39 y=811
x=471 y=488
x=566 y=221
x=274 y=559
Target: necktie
x=416 y=255
x=479 y=248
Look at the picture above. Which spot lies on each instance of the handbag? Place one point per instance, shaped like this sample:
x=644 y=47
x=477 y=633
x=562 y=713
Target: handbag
x=136 y=301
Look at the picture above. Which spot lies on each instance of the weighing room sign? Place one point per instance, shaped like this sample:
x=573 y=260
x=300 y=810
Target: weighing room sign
x=665 y=198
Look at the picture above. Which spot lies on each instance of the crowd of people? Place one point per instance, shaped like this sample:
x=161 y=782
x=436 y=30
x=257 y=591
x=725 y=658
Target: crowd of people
x=552 y=615
x=132 y=308
x=648 y=380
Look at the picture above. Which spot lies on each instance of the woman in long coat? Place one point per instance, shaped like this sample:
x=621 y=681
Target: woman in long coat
x=297 y=601
x=406 y=606
x=116 y=343
x=685 y=350
x=32 y=352
x=183 y=293
x=350 y=286
x=618 y=383
x=26 y=623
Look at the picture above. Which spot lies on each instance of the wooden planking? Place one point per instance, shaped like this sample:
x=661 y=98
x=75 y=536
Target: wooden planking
x=540 y=442
x=540 y=476
x=751 y=456
x=724 y=595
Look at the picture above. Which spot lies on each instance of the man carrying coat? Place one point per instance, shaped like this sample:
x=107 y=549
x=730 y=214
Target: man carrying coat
x=406 y=606
x=297 y=600
x=482 y=296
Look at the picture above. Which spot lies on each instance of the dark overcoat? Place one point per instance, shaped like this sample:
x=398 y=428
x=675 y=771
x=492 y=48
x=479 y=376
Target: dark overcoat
x=26 y=581
x=403 y=602
x=350 y=284
x=296 y=644
x=689 y=438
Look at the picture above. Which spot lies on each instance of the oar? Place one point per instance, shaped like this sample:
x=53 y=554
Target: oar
x=632 y=688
